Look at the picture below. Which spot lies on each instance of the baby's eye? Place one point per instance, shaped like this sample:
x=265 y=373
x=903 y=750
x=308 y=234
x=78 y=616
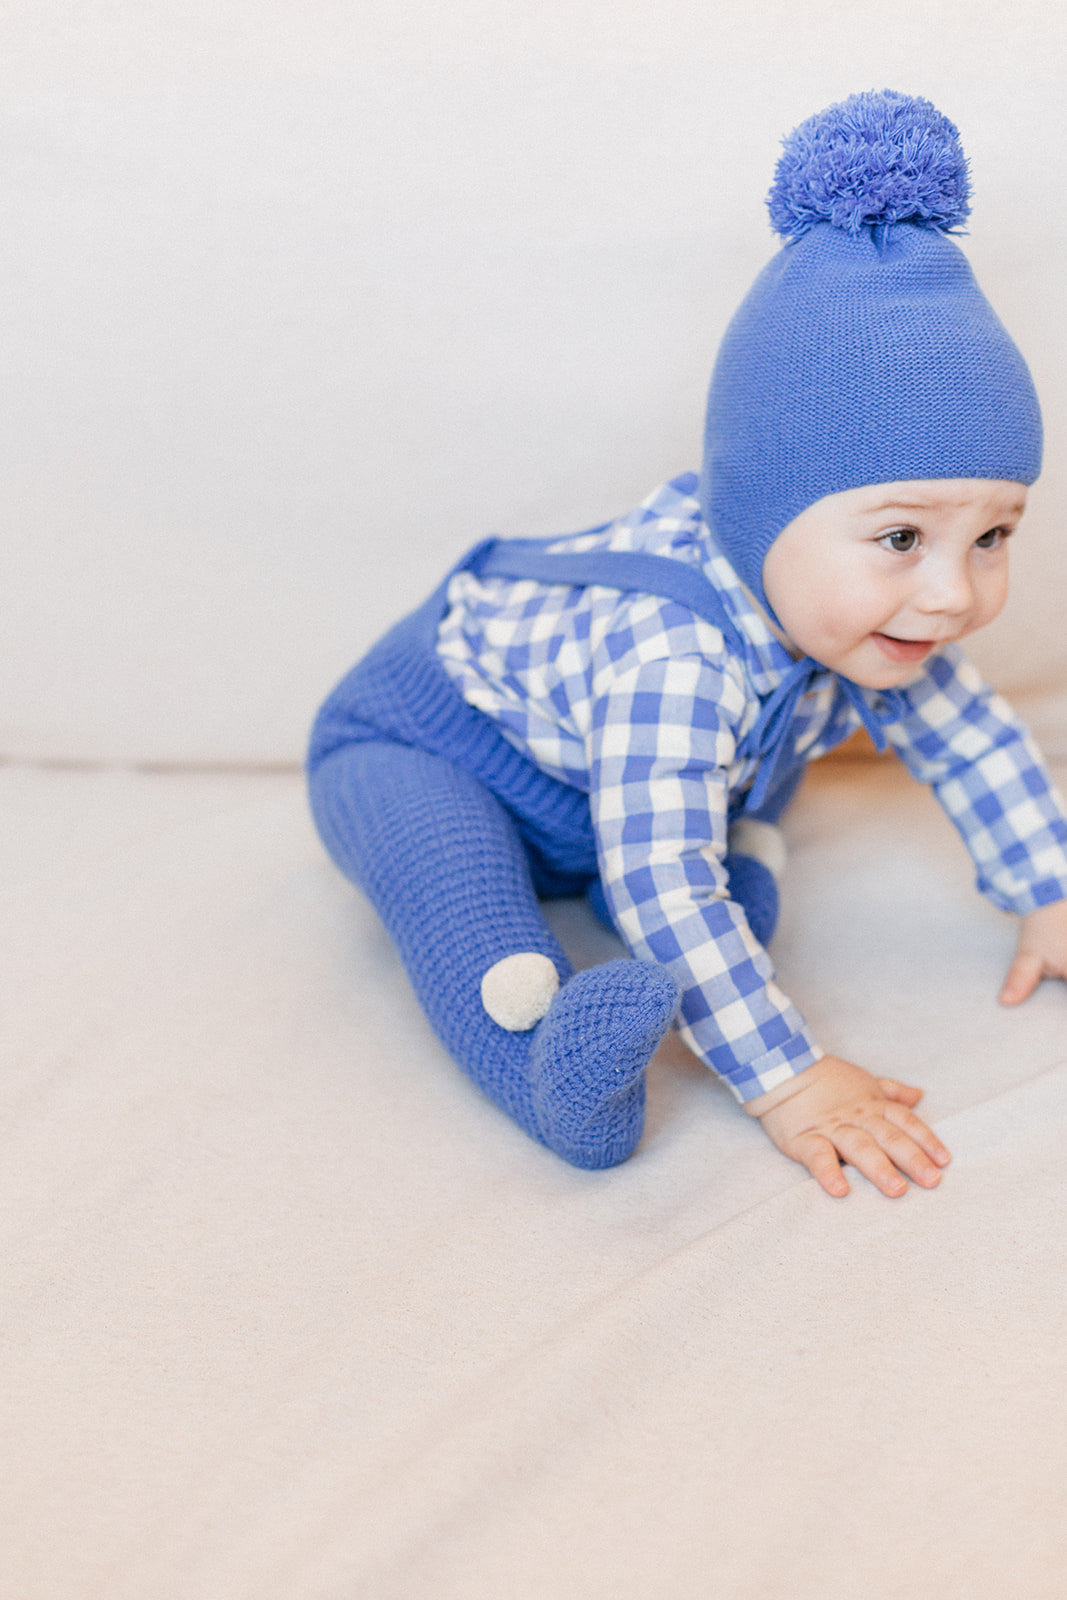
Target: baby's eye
x=902 y=540
x=993 y=538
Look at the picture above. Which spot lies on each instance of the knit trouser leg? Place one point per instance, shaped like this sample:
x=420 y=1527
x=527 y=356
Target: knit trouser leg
x=442 y=862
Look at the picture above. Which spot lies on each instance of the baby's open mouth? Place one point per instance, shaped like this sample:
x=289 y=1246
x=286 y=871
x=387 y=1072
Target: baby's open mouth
x=903 y=649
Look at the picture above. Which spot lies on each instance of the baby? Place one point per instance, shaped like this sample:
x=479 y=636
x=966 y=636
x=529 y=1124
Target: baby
x=626 y=712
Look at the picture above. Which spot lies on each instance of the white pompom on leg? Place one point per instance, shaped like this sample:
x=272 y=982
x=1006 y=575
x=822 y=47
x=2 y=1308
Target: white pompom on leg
x=518 y=991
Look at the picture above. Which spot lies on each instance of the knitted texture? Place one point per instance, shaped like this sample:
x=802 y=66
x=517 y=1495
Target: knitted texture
x=588 y=1060
x=400 y=691
x=872 y=160
x=443 y=865
x=865 y=352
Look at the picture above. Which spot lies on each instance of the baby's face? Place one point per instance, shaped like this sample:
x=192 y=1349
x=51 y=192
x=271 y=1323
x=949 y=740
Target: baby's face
x=872 y=580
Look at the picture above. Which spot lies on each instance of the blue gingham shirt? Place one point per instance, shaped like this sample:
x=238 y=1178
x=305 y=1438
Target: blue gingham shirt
x=643 y=705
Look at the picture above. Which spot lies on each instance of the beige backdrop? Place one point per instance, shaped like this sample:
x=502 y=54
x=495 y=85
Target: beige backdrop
x=296 y=301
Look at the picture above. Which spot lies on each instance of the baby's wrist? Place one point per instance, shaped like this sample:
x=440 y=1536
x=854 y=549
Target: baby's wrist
x=1052 y=912
x=761 y=1104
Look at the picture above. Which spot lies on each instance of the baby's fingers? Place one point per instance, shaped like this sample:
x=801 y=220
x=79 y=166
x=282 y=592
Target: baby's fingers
x=864 y=1152
x=905 y=1093
x=859 y=1150
x=916 y=1128
x=907 y=1154
x=1024 y=975
x=820 y=1158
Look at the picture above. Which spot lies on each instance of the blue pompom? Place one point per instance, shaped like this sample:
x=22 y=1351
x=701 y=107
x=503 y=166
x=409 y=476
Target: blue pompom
x=868 y=161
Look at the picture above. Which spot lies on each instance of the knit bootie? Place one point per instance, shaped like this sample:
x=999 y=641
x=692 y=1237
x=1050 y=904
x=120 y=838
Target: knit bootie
x=588 y=1057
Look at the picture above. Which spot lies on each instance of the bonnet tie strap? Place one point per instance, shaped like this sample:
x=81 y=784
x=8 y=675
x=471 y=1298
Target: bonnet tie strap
x=768 y=738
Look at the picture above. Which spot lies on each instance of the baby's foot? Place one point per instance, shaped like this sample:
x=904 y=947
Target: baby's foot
x=588 y=1058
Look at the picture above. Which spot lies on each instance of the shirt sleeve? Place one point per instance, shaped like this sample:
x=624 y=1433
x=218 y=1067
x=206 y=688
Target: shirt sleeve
x=964 y=740
x=661 y=742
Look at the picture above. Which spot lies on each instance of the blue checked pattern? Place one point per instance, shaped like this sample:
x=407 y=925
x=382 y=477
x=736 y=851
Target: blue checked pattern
x=968 y=744
x=641 y=704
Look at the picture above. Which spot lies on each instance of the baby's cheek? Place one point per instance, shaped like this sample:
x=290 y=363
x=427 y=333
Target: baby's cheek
x=994 y=596
x=846 y=614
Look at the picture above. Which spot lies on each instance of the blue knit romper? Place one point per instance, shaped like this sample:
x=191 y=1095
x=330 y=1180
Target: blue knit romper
x=454 y=835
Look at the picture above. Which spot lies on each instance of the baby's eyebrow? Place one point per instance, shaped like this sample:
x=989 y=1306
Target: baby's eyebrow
x=1016 y=508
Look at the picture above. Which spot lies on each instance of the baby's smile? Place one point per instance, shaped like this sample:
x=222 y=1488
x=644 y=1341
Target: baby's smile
x=904 y=650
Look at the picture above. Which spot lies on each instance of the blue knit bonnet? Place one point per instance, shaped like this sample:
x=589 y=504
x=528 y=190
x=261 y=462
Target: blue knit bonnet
x=865 y=351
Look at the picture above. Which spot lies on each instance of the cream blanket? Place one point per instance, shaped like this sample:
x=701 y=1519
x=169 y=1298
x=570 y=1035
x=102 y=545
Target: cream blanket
x=289 y=1311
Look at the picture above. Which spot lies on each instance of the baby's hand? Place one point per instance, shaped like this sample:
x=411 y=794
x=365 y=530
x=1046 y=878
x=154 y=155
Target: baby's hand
x=835 y=1110
x=1042 y=952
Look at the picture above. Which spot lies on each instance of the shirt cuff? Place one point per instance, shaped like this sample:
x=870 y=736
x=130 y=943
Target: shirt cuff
x=747 y=1080
x=1032 y=898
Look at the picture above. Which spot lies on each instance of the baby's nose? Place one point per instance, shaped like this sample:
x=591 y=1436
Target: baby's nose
x=947 y=591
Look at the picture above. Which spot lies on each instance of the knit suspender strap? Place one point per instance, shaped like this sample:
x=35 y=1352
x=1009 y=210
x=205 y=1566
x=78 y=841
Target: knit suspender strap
x=630 y=571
